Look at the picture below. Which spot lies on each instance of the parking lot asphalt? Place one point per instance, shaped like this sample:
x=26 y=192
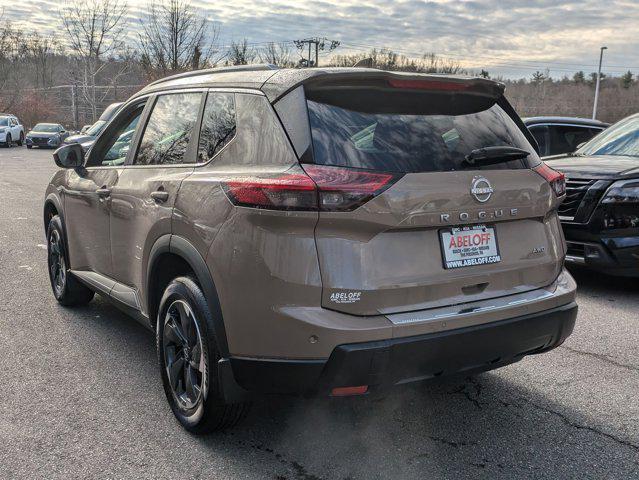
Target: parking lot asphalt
x=81 y=397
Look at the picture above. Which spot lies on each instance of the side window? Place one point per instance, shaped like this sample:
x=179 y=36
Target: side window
x=168 y=131
x=260 y=138
x=118 y=140
x=539 y=132
x=565 y=138
x=218 y=125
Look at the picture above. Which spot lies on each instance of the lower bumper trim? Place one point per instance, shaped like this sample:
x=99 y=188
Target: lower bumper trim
x=402 y=360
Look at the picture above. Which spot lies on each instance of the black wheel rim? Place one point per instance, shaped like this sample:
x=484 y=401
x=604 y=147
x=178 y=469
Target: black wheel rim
x=184 y=360
x=57 y=265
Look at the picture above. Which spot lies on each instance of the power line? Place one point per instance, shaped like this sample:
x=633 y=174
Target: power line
x=320 y=43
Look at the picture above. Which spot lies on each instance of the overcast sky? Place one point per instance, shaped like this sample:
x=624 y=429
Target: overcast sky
x=509 y=37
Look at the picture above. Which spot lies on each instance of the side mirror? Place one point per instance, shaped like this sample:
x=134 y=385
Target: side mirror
x=69 y=156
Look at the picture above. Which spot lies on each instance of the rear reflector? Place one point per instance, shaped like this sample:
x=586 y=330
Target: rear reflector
x=317 y=187
x=347 y=391
x=556 y=179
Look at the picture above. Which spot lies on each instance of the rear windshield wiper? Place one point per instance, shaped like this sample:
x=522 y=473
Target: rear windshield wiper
x=493 y=155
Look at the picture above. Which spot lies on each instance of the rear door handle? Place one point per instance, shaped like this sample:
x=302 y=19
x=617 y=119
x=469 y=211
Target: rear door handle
x=103 y=192
x=160 y=196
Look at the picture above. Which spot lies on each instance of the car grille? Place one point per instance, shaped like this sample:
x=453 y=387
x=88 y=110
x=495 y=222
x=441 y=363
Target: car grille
x=40 y=140
x=575 y=192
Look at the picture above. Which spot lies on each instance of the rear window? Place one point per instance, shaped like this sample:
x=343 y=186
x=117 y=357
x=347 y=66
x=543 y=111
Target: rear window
x=407 y=143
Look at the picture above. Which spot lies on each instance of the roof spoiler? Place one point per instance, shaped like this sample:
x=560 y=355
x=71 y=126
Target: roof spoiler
x=316 y=79
x=408 y=81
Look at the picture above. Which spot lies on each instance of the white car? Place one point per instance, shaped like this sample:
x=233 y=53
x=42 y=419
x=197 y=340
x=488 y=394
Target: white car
x=11 y=130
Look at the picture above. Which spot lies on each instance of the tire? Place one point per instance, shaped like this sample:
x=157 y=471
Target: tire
x=21 y=141
x=67 y=289
x=186 y=343
x=8 y=141
x=29 y=147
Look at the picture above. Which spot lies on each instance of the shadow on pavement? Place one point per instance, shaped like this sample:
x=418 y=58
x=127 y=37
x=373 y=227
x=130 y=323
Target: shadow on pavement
x=491 y=425
x=596 y=282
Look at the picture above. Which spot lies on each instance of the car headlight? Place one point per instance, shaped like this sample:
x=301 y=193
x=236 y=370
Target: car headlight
x=626 y=191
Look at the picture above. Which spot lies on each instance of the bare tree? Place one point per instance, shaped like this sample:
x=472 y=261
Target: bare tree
x=42 y=53
x=278 y=54
x=12 y=65
x=95 y=29
x=240 y=53
x=175 y=38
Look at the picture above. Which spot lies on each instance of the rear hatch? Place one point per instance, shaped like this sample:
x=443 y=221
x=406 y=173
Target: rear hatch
x=435 y=229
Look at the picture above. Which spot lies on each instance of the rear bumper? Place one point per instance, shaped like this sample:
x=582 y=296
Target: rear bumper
x=402 y=360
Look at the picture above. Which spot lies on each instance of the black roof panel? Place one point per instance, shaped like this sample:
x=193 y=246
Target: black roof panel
x=277 y=82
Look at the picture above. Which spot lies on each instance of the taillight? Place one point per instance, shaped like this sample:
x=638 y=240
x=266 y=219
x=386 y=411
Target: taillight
x=344 y=189
x=556 y=179
x=318 y=187
x=287 y=191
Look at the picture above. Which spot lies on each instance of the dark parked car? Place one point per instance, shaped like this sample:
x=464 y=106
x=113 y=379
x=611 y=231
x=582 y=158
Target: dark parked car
x=600 y=215
x=558 y=135
x=324 y=231
x=87 y=138
x=46 y=135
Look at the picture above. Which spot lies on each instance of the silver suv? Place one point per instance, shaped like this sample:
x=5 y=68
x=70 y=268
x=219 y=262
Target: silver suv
x=327 y=231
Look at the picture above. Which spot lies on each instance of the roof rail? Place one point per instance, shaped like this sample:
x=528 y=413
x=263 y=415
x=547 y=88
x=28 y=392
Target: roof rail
x=236 y=68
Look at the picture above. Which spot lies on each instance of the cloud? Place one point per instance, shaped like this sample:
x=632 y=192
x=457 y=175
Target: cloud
x=512 y=37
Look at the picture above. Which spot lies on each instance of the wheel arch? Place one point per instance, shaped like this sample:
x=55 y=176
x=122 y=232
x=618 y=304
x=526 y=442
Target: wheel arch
x=175 y=252
x=53 y=207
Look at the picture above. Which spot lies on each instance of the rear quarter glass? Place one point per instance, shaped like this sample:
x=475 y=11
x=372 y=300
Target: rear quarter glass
x=432 y=138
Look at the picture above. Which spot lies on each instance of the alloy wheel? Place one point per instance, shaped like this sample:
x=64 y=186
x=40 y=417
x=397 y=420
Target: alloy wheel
x=183 y=358
x=57 y=264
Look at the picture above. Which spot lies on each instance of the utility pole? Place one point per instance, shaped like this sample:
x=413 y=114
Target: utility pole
x=319 y=43
x=74 y=105
x=594 y=108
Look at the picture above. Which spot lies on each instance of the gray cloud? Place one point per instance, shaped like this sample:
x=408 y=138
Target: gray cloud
x=512 y=37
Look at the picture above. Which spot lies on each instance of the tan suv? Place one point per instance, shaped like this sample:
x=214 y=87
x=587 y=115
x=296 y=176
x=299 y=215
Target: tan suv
x=327 y=231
